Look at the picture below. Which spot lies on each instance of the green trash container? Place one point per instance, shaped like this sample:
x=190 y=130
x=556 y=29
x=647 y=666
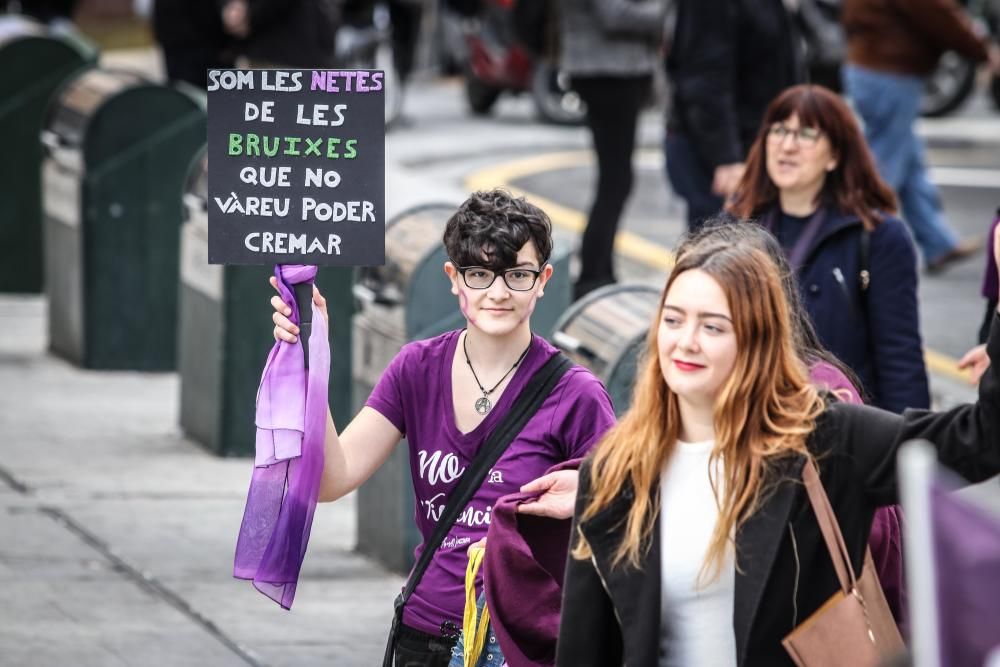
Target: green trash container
x=606 y=331
x=224 y=334
x=118 y=150
x=33 y=63
x=408 y=299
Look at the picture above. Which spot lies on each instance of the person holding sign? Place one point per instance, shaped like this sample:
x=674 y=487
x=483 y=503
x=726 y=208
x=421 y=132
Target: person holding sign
x=490 y=402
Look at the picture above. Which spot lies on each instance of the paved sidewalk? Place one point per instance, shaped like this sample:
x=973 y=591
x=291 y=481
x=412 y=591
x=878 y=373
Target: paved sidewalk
x=118 y=534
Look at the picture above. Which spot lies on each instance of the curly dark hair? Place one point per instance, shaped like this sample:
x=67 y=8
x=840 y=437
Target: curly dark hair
x=491 y=226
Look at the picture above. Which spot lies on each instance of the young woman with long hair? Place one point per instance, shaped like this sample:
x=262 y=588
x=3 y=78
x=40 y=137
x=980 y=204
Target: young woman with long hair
x=811 y=180
x=827 y=373
x=695 y=541
x=447 y=394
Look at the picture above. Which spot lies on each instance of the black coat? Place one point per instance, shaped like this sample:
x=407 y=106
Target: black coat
x=293 y=33
x=611 y=616
x=727 y=61
x=876 y=333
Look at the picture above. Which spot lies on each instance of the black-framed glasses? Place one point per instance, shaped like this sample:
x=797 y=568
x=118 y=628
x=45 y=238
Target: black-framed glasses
x=804 y=136
x=479 y=277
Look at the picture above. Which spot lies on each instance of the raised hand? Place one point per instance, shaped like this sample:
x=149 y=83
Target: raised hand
x=284 y=328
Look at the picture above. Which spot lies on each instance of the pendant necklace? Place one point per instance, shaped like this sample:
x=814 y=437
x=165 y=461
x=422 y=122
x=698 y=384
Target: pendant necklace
x=483 y=404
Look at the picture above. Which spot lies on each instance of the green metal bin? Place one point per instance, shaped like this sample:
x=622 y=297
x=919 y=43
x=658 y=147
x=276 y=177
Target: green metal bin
x=224 y=334
x=606 y=331
x=118 y=150
x=34 y=62
x=409 y=298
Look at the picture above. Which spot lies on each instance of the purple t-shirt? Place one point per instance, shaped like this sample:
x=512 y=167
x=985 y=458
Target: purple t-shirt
x=990 y=275
x=414 y=393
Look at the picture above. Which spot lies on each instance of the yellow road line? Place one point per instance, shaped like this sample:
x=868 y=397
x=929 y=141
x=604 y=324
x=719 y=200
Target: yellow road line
x=942 y=364
x=503 y=175
x=626 y=243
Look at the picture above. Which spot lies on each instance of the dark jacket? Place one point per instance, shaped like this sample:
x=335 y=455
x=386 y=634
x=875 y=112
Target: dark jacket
x=727 y=61
x=293 y=33
x=611 y=615
x=908 y=36
x=876 y=334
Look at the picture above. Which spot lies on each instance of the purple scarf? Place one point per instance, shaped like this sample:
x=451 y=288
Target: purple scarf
x=523 y=576
x=291 y=428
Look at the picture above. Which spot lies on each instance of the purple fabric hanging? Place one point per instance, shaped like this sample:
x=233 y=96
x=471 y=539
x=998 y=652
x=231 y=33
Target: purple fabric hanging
x=990 y=290
x=967 y=561
x=291 y=428
x=523 y=576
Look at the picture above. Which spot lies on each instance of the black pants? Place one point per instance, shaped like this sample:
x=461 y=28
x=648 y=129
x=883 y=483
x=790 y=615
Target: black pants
x=613 y=104
x=419 y=649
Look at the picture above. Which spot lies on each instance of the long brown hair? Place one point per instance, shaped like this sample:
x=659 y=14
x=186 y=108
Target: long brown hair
x=765 y=410
x=853 y=187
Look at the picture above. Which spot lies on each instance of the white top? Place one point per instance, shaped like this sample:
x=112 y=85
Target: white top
x=696 y=620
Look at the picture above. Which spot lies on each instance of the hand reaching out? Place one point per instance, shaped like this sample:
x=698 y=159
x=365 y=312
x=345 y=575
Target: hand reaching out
x=976 y=362
x=558 y=495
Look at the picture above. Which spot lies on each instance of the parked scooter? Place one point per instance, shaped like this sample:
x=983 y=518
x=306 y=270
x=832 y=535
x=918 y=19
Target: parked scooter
x=515 y=49
x=954 y=80
x=946 y=89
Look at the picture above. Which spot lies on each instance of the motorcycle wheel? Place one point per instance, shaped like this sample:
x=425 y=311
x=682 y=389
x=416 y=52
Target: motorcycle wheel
x=948 y=86
x=555 y=101
x=480 y=95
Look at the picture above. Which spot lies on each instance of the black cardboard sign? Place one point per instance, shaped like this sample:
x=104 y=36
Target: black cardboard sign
x=296 y=167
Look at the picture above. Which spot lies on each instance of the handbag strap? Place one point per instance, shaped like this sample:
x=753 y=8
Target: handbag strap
x=829 y=527
x=537 y=389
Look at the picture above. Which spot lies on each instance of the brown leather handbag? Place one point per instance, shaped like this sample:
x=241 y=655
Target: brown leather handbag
x=854 y=627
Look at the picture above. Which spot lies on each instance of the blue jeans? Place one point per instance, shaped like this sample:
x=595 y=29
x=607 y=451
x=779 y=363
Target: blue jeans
x=491 y=656
x=691 y=178
x=888 y=105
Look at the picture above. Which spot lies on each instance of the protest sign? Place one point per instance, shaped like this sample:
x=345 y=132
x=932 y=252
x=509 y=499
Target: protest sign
x=296 y=167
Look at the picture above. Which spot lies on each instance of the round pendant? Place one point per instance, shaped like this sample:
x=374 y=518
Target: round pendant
x=483 y=405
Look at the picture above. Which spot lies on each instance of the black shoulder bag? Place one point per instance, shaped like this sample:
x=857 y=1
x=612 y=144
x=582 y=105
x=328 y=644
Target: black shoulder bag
x=537 y=389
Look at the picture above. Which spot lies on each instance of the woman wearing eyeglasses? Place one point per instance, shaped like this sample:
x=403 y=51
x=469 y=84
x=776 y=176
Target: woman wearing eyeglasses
x=446 y=394
x=811 y=180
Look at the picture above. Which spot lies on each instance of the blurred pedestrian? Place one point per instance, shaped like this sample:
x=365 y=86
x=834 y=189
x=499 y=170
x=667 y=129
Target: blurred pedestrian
x=193 y=40
x=727 y=61
x=694 y=540
x=976 y=359
x=284 y=33
x=811 y=180
x=609 y=48
x=448 y=394
x=892 y=47
x=48 y=11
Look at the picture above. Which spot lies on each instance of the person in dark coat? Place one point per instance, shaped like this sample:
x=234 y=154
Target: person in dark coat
x=694 y=539
x=284 y=33
x=609 y=48
x=812 y=181
x=192 y=37
x=727 y=61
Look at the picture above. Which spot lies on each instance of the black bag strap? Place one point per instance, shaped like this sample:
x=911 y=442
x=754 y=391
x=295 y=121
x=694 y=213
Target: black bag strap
x=535 y=392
